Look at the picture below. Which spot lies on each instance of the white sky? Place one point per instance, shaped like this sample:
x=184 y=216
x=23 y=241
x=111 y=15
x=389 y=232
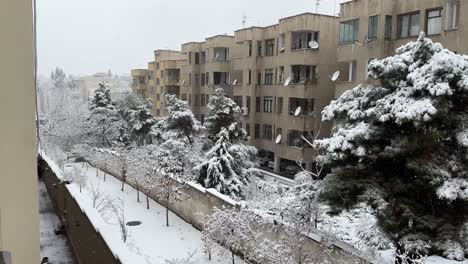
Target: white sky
x=88 y=36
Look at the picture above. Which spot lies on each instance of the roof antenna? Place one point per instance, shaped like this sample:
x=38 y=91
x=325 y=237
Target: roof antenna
x=317 y=4
x=244 y=20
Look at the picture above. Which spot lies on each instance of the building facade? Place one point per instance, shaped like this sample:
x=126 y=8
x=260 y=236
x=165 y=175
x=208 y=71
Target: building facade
x=140 y=82
x=208 y=66
x=373 y=29
x=119 y=85
x=285 y=85
x=166 y=77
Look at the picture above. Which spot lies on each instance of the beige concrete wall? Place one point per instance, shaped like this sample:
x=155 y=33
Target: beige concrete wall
x=19 y=207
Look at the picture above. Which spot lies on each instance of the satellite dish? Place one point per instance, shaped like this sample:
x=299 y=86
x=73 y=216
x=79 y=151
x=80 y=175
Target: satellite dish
x=313 y=45
x=234 y=82
x=217 y=56
x=278 y=139
x=288 y=80
x=298 y=111
x=183 y=82
x=335 y=76
x=282 y=49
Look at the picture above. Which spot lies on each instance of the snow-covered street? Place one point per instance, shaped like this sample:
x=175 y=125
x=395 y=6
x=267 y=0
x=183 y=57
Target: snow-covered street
x=151 y=241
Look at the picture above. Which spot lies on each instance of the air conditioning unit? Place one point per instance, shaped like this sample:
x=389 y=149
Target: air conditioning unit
x=245 y=111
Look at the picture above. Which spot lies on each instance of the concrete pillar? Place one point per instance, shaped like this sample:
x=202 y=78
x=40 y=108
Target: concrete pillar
x=277 y=164
x=309 y=166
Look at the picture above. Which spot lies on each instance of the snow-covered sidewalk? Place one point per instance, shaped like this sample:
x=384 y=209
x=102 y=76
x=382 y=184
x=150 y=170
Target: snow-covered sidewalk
x=151 y=241
x=55 y=247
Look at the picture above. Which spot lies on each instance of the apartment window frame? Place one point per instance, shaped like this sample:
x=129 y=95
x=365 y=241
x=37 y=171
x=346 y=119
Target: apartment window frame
x=270 y=47
x=203 y=79
x=203 y=57
x=238 y=100
x=373 y=27
x=190 y=57
x=197 y=58
x=247 y=129
x=267 y=132
x=300 y=39
x=282 y=42
x=259 y=48
x=250 y=77
x=257 y=131
x=409 y=22
x=349 y=31
x=202 y=100
x=268 y=104
x=279 y=105
x=269 y=76
x=388 y=27
x=428 y=19
x=258 y=104
x=452 y=14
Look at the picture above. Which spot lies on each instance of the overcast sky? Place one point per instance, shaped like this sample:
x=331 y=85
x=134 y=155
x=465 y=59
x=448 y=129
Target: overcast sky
x=88 y=36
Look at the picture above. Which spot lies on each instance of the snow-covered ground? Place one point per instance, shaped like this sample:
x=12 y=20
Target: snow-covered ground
x=150 y=242
x=56 y=248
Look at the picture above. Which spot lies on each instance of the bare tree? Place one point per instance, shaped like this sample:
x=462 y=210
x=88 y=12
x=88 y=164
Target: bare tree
x=117 y=209
x=96 y=193
x=187 y=260
x=76 y=175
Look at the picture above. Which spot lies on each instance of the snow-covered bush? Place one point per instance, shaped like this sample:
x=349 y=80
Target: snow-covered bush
x=450 y=250
x=403 y=140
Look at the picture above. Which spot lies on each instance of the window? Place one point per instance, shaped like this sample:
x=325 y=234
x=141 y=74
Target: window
x=259 y=78
x=196 y=100
x=408 y=25
x=157 y=65
x=238 y=100
x=203 y=102
x=197 y=58
x=434 y=22
x=388 y=27
x=259 y=48
x=190 y=58
x=302 y=74
x=247 y=128
x=267 y=132
x=190 y=79
x=203 y=57
x=157 y=81
x=247 y=103
x=257 y=104
x=202 y=119
x=207 y=78
x=301 y=39
x=158 y=97
x=268 y=104
x=197 y=79
x=162 y=73
x=307 y=105
x=203 y=79
x=158 y=112
x=279 y=131
x=281 y=75
x=349 y=31
x=269 y=47
x=190 y=99
x=257 y=131
x=183 y=97
x=295 y=138
x=279 y=105
x=250 y=77
x=207 y=99
x=221 y=54
x=269 y=76
x=250 y=48
x=220 y=78
x=452 y=14
x=282 y=42
x=373 y=27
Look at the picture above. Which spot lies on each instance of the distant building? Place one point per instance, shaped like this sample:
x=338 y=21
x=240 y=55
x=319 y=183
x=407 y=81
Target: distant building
x=118 y=85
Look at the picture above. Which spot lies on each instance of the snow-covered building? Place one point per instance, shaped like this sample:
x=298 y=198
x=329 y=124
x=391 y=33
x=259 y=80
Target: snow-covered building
x=373 y=29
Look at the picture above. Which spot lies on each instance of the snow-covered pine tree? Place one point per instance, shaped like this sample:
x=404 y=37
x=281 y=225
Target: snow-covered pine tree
x=103 y=121
x=406 y=142
x=223 y=112
x=101 y=97
x=227 y=168
x=180 y=118
x=138 y=120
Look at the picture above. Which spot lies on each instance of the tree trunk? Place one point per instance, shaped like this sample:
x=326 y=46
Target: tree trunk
x=167 y=210
x=233 y=260
x=138 y=192
x=123 y=183
x=97 y=172
x=147 y=202
x=105 y=169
